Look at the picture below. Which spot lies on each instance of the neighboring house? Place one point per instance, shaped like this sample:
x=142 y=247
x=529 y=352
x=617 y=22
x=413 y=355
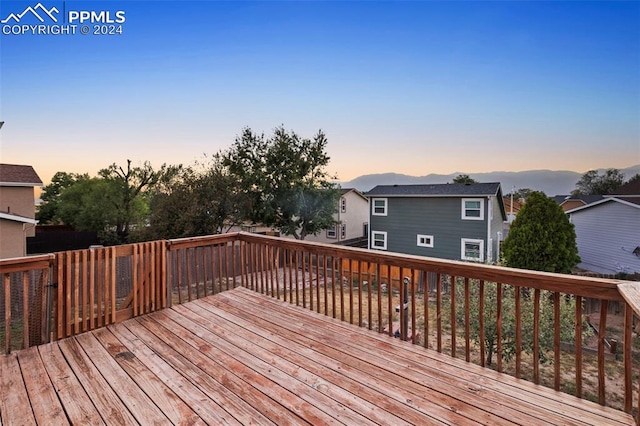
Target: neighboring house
x=449 y=221
x=352 y=218
x=570 y=202
x=608 y=232
x=512 y=206
x=17 y=208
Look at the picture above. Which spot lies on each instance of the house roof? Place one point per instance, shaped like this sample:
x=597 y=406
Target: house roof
x=586 y=199
x=629 y=201
x=347 y=190
x=629 y=188
x=437 y=190
x=507 y=204
x=18 y=175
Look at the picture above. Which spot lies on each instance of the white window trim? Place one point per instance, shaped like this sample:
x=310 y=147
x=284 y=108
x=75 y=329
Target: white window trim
x=343 y=231
x=464 y=242
x=373 y=206
x=343 y=205
x=335 y=233
x=373 y=246
x=423 y=236
x=464 y=210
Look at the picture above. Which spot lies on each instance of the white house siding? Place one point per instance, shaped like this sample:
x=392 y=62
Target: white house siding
x=606 y=236
x=355 y=217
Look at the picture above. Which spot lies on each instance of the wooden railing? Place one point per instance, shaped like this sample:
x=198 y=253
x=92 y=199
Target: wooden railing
x=429 y=302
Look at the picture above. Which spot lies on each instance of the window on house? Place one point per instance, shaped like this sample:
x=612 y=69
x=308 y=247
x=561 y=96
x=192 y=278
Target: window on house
x=473 y=208
x=379 y=206
x=425 y=240
x=343 y=205
x=471 y=249
x=331 y=232
x=343 y=231
x=379 y=240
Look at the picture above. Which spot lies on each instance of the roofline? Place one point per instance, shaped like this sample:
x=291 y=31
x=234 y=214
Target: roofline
x=574 y=199
x=433 y=195
x=26 y=184
x=15 y=218
x=604 y=200
x=348 y=190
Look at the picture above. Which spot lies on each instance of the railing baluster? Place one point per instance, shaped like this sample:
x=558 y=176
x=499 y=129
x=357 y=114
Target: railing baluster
x=414 y=289
x=499 y=313
x=628 y=357
x=297 y=277
x=341 y=284
x=317 y=280
x=602 y=328
x=7 y=313
x=467 y=321
x=324 y=283
x=425 y=297
x=360 y=283
x=518 y=302
x=25 y=309
x=277 y=268
x=334 y=275
x=350 y=291
x=452 y=319
x=369 y=296
x=439 y=311
x=556 y=340
x=578 y=346
x=536 y=337
x=233 y=263
x=481 y=311
x=379 y=278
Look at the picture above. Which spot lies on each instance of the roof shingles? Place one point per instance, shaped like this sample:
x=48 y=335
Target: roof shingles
x=436 y=190
x=18 y=175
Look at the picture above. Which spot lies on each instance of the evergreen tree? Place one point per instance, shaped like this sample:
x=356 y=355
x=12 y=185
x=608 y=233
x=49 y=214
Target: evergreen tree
x=541 y=237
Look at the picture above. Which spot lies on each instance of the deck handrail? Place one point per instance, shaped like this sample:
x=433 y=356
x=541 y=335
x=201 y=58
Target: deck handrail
x=97 y=287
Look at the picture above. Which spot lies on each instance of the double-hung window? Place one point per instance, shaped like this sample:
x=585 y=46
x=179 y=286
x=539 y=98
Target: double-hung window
x=379 y=206
x=331 y=232
x=473 y=209
x=378 y=240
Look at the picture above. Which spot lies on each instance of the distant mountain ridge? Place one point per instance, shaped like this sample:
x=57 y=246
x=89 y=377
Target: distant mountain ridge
x=551 y=182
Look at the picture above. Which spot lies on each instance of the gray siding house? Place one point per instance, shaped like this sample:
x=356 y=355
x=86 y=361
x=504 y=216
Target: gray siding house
x=608 y=234
x=448 y=221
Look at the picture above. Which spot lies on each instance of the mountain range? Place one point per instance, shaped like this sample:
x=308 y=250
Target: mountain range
x=551 y=182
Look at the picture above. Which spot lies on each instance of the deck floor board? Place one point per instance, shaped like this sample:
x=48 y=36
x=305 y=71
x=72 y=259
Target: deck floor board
x=239 y=357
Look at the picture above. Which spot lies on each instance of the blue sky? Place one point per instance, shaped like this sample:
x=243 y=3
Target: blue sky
x=408 y=87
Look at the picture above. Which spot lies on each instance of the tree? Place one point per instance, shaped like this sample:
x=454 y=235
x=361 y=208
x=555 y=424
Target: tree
x=634 y=178
x=593 y=183
x=84 y=206
x=285 y=180
x=508 y=318
x=192 y=201
x=463 y=179
x=541 y=237
x=48 y=211
x=125 y=195
x=521 y=194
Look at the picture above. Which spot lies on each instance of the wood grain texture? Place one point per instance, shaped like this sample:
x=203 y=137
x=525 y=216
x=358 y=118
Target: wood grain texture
x=240 y=357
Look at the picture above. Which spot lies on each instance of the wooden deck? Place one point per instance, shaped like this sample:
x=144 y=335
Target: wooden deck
x=242 y=358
